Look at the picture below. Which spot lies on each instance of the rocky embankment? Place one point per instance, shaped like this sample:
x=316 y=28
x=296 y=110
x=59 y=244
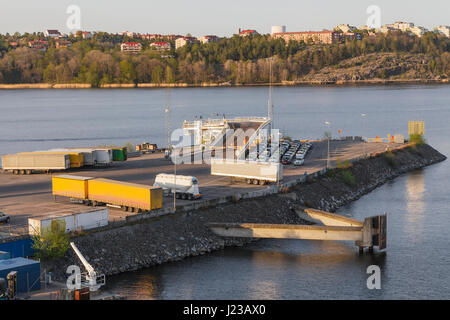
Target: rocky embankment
x=381 y=66
x=175 y=237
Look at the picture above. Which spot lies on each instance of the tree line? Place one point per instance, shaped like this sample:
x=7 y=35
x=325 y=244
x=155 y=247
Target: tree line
x=236 y=60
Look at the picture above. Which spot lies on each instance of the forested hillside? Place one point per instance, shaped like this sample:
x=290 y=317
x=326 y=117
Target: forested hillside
x=237 y=60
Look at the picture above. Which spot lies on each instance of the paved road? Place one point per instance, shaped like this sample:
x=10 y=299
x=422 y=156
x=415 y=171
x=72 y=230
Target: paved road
x=25 y=196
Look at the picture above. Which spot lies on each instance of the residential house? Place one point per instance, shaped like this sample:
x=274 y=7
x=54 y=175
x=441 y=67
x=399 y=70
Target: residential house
x=246 y=33
x=345 y=28
x=161 y=45
x=52 y=34
x=445 y=30
x=131 y=47
x=127 y=33
x=207 y=39
x=86 y=35
x=38 y=45
x=325 y=37
x=63 y=44
x=181 y=42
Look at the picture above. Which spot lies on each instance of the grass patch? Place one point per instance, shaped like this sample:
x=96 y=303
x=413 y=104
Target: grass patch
x=348 y=178
x=390 y=158
x=418 y=139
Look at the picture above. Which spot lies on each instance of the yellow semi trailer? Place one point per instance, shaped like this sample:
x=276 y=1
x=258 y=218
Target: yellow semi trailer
x=96 y=191
x=132 y=196
x=70 y=186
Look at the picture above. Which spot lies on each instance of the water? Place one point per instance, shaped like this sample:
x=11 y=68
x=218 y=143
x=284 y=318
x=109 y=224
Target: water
x=416 y=263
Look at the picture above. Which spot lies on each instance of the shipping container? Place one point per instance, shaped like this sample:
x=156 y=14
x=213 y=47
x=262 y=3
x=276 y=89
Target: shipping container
x=28 y=273
x=76 y=158
x=255 y=172
x=70 y=186
x=4 y=255
x=124 y=194
x=18 y=248
x=74 y=220
x=27 y=163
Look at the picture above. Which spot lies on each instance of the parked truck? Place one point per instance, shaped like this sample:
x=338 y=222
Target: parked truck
x=184 y=187
x=96 y=191
x=253 y=172
x=146 y=147
x=29 y=163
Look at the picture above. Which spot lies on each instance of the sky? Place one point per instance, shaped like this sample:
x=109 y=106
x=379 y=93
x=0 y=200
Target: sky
x=222 y=18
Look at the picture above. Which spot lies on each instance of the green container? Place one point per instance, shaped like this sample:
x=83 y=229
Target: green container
x=118 y=154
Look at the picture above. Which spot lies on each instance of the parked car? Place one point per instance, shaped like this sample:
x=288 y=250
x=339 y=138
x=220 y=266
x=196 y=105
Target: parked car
x=299 y=162
x=4 y=218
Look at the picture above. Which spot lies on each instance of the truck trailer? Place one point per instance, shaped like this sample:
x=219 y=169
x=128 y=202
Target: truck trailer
x=76 y=158
x=96 y=191
x=129 y=196
x=73 y=220
x=101 y=156
x=184 y=187
x=253 y=172
x=70 y=186
x=88 y=155
x=28 y=163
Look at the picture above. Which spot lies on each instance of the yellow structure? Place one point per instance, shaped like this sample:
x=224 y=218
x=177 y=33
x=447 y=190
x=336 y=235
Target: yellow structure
x=76 y=158
x=125 y=194
x=70 y=186
x=416 y=127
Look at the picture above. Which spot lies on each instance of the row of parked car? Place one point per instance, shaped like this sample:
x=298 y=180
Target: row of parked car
x=290 y=152
x=295 y=152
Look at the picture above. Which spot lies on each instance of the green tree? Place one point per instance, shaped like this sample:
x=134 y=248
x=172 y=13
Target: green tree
x=52 y=242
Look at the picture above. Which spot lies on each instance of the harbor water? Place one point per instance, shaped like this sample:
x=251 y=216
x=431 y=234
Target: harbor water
x=416 y=262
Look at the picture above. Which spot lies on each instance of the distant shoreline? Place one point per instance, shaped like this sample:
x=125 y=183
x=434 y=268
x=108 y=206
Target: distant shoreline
x=206 y=85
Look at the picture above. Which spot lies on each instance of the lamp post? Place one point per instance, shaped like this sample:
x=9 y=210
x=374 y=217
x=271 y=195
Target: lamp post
x=170 y=149
x=363 y=115
x=329 y=134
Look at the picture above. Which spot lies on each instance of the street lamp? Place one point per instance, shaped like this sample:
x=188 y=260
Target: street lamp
x=329 y=134
x=363 y=115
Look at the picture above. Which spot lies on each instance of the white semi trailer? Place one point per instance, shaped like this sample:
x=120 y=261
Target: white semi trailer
x=254 y=172
x=184 y=187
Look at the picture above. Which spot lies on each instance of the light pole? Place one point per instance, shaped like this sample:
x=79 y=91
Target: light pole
x=363 y=115
x=170 y=149
x=329 y=134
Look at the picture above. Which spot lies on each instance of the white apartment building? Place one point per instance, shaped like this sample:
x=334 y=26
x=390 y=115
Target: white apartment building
x=207 y=39
x=445 y=30
x=346 y=28
x=181 y=42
